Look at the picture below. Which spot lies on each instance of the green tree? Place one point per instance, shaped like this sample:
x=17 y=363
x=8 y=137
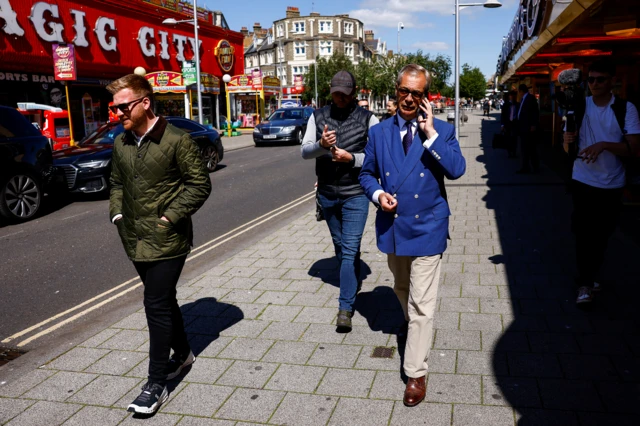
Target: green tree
x=472 y=82
x=327 y=68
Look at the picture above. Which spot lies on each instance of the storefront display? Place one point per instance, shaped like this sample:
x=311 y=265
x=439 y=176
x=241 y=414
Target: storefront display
x=249 y=94
x=109 y=39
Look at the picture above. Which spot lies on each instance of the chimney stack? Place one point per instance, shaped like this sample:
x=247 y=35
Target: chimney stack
x=257 y=27
x=314 y=14
x=368 y=35
x=292 y=12
x=244 y=31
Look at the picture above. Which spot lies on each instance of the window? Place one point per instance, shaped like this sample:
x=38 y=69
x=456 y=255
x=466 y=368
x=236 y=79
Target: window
x=298 y=27
x=269 y=58
x=326 y=26
x=326 y=47
x=300 y=48
x=248 y=60
x=280 y=53
x=348 y=27
x=282 y=75
x=348 y=50
x=300 y=69
x=280 y=30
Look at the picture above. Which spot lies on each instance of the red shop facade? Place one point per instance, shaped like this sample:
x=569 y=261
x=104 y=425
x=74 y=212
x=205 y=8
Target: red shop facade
x=111 y=39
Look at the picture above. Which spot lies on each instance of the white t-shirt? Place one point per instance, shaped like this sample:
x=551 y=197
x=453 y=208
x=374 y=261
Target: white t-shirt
x=600 y=125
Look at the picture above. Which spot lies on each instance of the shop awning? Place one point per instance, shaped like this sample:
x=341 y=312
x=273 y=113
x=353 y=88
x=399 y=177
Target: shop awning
x=172 y=82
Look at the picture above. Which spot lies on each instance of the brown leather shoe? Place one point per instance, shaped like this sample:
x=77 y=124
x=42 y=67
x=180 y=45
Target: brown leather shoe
x=415 y=392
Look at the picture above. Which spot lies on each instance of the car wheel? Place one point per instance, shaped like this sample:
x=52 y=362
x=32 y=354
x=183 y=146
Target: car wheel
x=20 y=197
x=210 y=157
x=300 y=136
x=258 y=144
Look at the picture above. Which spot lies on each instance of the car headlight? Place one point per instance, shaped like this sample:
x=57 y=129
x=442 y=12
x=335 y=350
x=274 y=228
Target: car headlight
x=288 y=129
x=95 y=164
x=256 y=130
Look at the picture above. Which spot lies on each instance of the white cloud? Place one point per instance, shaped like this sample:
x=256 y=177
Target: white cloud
x=382 y=17
x=431 y=45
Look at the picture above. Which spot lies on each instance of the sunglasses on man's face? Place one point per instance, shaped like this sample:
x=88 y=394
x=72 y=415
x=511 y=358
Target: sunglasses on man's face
x=403 y=91
x=599 y=79
x=125 y=106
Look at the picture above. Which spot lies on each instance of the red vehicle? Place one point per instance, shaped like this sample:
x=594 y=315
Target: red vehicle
x=51 y=121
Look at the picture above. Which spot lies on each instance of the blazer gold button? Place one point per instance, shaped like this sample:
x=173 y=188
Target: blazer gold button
x=421 y=174
x=416 y=196
x=386 y=174
x=417 y=216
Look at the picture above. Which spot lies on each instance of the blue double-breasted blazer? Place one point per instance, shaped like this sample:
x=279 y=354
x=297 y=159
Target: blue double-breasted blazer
x=420 y=224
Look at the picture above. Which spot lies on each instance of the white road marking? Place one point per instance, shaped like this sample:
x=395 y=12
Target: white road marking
x=229 y=236
x=8 y=235
x=76 y=215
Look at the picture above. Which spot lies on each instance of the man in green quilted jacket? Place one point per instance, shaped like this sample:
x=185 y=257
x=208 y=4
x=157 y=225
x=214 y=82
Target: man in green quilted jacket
x=158 y=180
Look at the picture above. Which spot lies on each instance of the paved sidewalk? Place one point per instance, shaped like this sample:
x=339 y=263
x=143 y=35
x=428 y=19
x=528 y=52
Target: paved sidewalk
x=509 y=346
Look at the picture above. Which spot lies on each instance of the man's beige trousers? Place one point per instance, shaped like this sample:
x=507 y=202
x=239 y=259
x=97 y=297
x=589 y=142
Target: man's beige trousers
x=416 y=285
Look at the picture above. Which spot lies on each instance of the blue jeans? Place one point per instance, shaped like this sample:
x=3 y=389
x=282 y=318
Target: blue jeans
x=346 y=219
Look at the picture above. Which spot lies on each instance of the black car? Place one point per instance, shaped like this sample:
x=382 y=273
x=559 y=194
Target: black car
x=25 y=166
x=86 y=167
x=284 y=125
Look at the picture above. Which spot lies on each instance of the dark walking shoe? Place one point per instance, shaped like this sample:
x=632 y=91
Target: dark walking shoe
x=152 y=397
x=597 y=287
x=415 y=391
x=344 y=321
x=177 y=363
x=585 y=296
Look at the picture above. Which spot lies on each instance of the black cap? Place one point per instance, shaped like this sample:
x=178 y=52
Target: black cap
x=343 y=82
x=523 y=88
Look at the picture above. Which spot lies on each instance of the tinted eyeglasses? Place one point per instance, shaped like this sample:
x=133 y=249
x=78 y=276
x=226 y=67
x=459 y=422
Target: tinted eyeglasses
x=599 y=79
x=403 y=91
x=125 y=106
x=365 y=106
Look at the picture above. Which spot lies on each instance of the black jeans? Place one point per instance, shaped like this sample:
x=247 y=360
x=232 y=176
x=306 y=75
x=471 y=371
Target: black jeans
x=529 y=151
x=166 y=328
x=595 y=217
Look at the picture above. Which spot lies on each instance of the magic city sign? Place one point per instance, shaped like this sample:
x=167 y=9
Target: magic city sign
x=45 y=19
x=526 y=25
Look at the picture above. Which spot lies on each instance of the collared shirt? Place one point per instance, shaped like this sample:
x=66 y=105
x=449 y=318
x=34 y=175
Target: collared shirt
x=403 y=131
x=139 y=139
x=522 y=103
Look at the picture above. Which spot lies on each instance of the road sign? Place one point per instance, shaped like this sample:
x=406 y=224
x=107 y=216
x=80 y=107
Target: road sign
x=64 y=62
x=189 y=73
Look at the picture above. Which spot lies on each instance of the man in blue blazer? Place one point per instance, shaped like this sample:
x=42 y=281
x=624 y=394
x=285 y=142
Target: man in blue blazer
x=406 y=160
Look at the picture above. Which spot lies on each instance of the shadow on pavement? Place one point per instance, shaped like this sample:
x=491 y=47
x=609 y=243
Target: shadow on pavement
x=327 y=270
x=556 y=364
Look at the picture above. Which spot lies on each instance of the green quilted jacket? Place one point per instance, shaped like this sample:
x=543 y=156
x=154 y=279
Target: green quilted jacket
x=164 y=176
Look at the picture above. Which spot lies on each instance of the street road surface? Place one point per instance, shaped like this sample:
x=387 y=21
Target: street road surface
x=72 y=254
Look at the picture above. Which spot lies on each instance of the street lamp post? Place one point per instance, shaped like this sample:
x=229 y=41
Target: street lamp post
x=400 y=27
x=315 y=70
x=491 y=4
x=171 y=21
x=227 y=78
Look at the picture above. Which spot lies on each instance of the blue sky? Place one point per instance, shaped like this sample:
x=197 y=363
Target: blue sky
x=429 y=24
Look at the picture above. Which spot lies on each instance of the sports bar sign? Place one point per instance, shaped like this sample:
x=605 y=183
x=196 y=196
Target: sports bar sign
x=64 y=62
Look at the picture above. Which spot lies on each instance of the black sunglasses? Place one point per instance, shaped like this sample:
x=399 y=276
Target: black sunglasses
x=125 y=106
x=599 y=79
x=403 y=91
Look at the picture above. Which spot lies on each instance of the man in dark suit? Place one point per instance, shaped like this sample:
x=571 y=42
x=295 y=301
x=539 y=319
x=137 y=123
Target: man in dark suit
x=509 y=122
x=527 y=124
x=406 y=161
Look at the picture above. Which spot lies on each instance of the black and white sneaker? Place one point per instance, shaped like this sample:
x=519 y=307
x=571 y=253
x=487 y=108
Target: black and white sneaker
x=177 y=363
x=152 y=397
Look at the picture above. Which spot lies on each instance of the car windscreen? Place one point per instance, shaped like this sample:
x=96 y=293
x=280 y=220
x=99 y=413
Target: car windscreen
x=106 y=135
x=286 y=114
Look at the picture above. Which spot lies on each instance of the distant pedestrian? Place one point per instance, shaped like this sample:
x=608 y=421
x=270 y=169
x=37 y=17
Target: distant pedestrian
x=608 y=131
x=392 y=107
x=485 y=108
x=406 y=161
x=363 y=103
x=528 y=115
x=158 y=180
x=509 y=123
x=336 y=136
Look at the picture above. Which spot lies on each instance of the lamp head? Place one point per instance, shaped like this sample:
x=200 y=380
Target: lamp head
x=226 y=78
x=492 y=4
x=170 y=21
